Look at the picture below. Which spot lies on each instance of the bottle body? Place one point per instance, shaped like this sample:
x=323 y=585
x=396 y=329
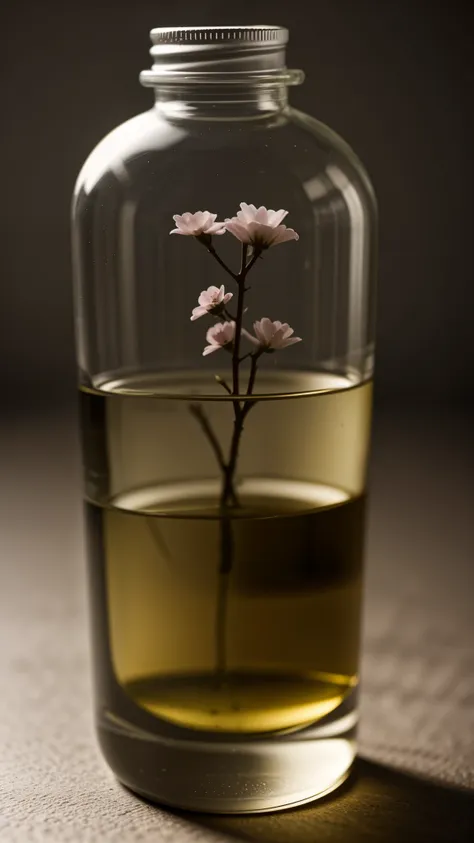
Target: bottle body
x=225 y=517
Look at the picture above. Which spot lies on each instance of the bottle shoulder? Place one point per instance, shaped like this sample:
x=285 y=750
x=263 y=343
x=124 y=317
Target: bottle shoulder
x=338 y=159
x=141 y=135
x=146 y=149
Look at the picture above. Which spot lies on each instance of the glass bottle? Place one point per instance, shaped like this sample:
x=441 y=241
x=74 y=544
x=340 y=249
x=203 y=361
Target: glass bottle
x=225 y=533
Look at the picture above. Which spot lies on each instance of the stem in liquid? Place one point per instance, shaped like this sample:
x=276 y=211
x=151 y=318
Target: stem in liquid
x=228 y=469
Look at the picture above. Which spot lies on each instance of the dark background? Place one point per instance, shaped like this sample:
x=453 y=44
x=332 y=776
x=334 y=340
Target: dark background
x=393 y=78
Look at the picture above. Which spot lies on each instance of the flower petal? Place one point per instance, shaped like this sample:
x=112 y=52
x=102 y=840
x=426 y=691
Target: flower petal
x=284 y=234
x=276 y=217
x=291 y=341
x=260 y=227
x=279 y=336
x=238 y=230
x=211 y=334
x=260 y=234
x=209 y=349
x=198 y=312
x=249 y=336
x=201 y=222
x=183 y=223
x=215 y=228
x=247 y=214
x=221 y=334
x=200 y=218
x=267 y=328
x=262 y=215
x=228 y=331
x=259 y=333
x=273 y=335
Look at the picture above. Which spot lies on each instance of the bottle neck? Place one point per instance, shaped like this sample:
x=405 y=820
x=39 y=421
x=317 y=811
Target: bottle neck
x=220 y=72
x=221 y=101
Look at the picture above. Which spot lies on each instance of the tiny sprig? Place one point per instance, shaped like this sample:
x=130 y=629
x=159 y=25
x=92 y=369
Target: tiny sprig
x=257 y=229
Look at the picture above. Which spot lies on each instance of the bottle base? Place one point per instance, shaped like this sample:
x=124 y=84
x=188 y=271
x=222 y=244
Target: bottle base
x=231 y=776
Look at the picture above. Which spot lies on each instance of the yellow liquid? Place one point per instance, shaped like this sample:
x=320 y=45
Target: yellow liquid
x=241 y=703
x=290 y=635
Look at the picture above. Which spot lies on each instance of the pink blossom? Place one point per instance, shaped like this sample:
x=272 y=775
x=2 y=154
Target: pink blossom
x=250 y=213
x=271 y=336
x=195 y=225
x=260 y=227
x=220 y=336
x=212 y=300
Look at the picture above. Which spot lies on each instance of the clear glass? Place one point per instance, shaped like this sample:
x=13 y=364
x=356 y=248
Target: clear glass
x=226 y=625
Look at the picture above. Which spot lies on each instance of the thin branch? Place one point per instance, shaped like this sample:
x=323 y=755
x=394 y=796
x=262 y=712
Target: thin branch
x=240 y=412
x=256 y=254
x=243 y=261
x=200 y=415
x=238 y=322
x=253 y=373
x=226 y=562
x=222 y=263
x=223 y=383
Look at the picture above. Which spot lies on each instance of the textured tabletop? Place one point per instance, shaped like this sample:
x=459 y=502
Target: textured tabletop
x=415 y=779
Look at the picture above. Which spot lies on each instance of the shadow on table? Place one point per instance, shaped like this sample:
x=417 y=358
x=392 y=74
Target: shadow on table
x=376 y=804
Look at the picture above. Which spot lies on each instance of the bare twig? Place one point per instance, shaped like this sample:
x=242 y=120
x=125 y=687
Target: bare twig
x=200 y=415
x=253 y=372
x=238 y=325
x=226 y=558
x=223 y=383
x=222 y=263
x=255 y=256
